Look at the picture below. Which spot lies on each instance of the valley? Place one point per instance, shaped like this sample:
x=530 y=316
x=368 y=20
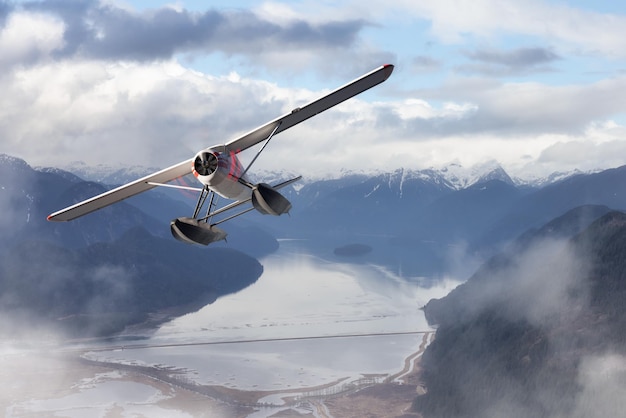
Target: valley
x=522 y=281
x=233 y=360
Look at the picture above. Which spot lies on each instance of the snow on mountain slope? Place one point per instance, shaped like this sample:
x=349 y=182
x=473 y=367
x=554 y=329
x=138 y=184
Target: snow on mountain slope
x=453 y=176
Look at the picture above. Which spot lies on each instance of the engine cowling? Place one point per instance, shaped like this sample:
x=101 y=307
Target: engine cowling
x=205 y=163
x=221 y=171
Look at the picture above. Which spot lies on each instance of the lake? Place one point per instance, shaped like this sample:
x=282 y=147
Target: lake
x=307 y=322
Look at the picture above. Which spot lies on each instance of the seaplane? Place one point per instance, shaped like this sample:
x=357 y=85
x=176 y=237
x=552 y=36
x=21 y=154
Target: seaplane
x=221 y=173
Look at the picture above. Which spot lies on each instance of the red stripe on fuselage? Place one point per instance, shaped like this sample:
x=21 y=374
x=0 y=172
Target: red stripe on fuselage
x=235 y=166
x=231 y=163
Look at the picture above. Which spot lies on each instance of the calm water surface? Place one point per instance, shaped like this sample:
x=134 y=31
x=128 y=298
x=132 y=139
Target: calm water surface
x=298 y=296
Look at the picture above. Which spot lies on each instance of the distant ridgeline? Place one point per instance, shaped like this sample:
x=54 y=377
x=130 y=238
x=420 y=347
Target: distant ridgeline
x=120 y=264
x=539 y=330
x=417 y=222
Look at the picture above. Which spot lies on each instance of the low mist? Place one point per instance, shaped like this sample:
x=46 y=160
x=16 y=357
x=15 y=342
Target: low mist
x=528 y=335
x=547 y=282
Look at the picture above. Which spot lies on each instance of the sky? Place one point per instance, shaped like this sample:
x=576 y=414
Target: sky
x=539 y=86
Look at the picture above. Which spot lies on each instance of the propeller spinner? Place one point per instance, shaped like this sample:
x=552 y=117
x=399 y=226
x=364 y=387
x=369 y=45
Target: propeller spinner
x=205 y=163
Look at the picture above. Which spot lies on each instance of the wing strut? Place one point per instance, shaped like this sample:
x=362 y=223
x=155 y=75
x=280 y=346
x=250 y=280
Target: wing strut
x=267 y=141
x=241 y=202
x=196 y=230
x=201 y=199
x=212 y=204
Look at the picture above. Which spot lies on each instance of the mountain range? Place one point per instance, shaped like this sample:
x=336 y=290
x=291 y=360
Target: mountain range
x=454 y=175
x=426 y=223
x=418 y=223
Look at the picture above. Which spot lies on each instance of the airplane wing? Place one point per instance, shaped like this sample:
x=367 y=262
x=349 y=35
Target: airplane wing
x=303 y=113
x=122 y=192
x=259 y=134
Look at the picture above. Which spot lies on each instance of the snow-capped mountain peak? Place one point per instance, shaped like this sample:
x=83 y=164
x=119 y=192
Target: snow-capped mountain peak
x=108 y=174
x=453 y=176
x=461 y=177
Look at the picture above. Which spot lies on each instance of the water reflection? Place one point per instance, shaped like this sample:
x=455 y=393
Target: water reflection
x=301 y=295
x=298 y=299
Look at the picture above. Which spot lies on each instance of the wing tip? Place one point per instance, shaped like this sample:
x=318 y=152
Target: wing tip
x=388 y=68
x=54 y=217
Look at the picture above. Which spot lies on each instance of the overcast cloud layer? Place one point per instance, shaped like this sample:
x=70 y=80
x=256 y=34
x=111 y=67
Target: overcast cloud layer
x=537 y=85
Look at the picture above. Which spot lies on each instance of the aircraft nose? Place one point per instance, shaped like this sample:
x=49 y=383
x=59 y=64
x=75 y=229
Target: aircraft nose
x=205 y=163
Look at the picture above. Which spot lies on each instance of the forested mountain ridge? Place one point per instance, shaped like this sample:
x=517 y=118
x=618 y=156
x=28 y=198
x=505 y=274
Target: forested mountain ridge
x=517 y=339
x=103 y=272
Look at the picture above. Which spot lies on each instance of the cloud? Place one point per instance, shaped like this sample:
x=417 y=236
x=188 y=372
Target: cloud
x=113 y=285
x=96 y=75
x=530 y=108
x=20 y=45
x=559 y=23
x=539 y=285
x=516 y=61
x=602 y=378
x=586 y=153
x=16 y=199
x=547 y=281
x=160 y=113
x=156 y=114
x=97 y=30
x=425 y=64
x=521 y=57
x=601 y=393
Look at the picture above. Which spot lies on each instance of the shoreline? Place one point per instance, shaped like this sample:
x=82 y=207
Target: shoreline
x=285 y=399
x=172 y=390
